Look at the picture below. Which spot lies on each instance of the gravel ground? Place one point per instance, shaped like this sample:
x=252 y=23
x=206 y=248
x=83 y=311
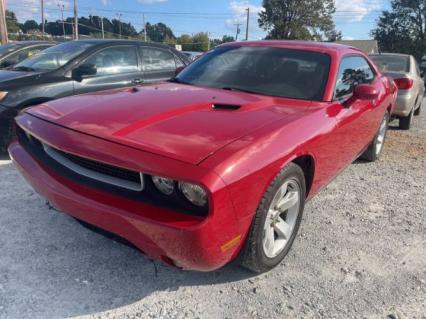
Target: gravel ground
x=361 y=253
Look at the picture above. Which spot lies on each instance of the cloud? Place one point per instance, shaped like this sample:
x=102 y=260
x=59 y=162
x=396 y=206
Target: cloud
x=106 y=2
x=151 y=1
x=31 y=8
x=239 y=12
x=355 y=10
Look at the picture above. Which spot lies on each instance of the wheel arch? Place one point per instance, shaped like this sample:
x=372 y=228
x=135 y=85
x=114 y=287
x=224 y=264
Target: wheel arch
x=307 y=163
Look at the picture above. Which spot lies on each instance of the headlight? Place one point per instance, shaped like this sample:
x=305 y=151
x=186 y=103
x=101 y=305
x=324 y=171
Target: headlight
x=194 y=193
x=3 y=95
x=164 y=185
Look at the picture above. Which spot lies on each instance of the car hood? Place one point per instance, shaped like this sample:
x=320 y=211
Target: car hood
x=183 y=122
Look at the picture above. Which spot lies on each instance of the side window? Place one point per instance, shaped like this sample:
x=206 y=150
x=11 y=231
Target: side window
x=353 y=70
x=157 y=60
x=179 y=62
x=115 y=60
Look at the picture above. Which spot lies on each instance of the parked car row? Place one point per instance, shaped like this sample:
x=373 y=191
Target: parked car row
x=408 y=77
x=212 y=165
x=78 y=67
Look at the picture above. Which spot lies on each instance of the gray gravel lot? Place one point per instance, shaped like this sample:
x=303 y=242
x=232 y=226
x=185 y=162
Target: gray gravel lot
x=361 y=253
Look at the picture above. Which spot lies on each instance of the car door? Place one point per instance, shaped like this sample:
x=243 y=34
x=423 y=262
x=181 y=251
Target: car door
x=357 y=120
x=116 y=66
x=158 y=64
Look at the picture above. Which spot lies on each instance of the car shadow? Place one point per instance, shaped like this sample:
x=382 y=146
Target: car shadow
x=51 y=266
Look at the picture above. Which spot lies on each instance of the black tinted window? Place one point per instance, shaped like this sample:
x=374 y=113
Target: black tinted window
x=157 y=60
x=115 y=60
x=352 y=71
x=262 y=70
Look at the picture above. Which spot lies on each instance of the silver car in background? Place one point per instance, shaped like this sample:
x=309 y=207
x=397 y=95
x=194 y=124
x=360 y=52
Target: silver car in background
x=405 y=71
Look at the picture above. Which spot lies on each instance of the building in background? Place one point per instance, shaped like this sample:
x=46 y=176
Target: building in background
x=368 y=46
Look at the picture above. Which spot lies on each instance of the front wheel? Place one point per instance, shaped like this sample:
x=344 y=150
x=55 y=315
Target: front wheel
x=276 y=222
x=376 y=147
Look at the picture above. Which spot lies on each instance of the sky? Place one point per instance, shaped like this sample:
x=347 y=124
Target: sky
x=355 y=18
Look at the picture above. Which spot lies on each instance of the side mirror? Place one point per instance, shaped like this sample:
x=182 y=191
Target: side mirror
x=83 y=70
x=179 y=69
x=365 y=92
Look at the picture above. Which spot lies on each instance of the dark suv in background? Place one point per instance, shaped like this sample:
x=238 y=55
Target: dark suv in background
x=78 y=67
x=13 y=53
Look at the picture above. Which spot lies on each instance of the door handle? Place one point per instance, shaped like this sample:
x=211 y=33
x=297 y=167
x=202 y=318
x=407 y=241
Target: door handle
x=137 y=81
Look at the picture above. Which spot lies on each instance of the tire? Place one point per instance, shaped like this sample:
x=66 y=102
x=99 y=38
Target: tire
x=419 y=110
x=256 y=255
x=5 y=135
x=405 y=122
x=375 y=148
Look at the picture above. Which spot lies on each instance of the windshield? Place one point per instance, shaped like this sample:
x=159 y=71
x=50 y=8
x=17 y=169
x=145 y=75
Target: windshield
x=392 y=63
x=54 y=57
x=261 y=70
x=8 y=48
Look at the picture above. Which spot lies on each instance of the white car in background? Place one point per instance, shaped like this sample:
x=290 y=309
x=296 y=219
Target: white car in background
x=408 y=77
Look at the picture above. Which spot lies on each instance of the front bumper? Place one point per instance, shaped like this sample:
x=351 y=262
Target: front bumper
x=182 y=240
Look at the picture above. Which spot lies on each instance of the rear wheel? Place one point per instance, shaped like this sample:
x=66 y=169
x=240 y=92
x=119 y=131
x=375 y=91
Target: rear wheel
x=376 y=147
x=405 y=121
x=276 y=222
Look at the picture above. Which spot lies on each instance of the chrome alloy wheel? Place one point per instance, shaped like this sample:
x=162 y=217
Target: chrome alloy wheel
x=381 y=135
x=281 y=218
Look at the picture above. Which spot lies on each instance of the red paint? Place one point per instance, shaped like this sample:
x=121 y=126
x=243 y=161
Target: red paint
x=172 y=130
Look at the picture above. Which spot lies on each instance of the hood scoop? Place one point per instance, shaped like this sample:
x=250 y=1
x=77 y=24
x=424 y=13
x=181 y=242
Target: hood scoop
x=221 y=106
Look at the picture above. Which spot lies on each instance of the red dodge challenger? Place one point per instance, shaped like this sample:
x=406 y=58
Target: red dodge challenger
x=217 y=163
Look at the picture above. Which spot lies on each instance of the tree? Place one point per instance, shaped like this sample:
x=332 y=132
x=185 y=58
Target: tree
x=200 y=42
x=159 y=32
x=403 y=29
x=30 y=25
x=12 y=22
x=298 y=19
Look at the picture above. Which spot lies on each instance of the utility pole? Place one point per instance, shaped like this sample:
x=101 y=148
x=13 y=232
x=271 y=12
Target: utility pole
x=238 y=30
x=3 y=25
x=102 y=27
x=208 y=41
x=61 y=7
x=144 y=27
x=248 y=23
x=42 y=19
x=119 y=23
x=75 y=21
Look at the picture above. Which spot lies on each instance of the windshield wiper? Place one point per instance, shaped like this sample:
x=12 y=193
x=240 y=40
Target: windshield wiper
x=240 y=90
x=23 y=68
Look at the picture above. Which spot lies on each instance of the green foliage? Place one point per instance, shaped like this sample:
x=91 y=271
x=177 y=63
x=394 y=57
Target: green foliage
x=298 y=19
x=30 y=25
x=402 y=29
x=159 y=32
x=12 y=22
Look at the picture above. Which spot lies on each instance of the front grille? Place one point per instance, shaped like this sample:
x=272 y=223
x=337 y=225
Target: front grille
x=95 y=170
x=105 y=177
x=103 y=168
